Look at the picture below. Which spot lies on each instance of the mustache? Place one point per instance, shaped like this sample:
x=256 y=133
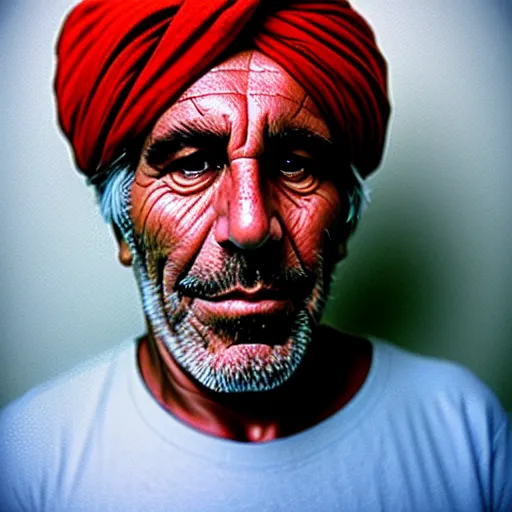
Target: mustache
x=246 y=272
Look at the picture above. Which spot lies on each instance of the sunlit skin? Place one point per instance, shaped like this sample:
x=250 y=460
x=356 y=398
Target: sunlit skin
x=232 y=177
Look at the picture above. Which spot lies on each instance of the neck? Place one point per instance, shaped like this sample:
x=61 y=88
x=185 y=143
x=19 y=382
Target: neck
x=333 y=370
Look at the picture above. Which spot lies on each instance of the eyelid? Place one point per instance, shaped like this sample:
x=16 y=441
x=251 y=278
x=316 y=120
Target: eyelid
x=164 y=160
x=161 y=148
x=175 y=161
x=184 y=152
x=303 y=153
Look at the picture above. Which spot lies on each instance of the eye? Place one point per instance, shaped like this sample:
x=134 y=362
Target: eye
x=198 y=163
x=294 y=167
x=298 y=172
x=195 y=172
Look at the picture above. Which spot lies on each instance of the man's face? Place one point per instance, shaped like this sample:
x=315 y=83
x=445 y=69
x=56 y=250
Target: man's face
x=236 y=223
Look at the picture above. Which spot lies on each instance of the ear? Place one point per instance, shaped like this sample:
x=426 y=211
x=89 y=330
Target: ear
x=124 y=255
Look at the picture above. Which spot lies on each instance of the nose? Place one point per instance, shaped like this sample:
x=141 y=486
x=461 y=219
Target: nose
x=245 y=216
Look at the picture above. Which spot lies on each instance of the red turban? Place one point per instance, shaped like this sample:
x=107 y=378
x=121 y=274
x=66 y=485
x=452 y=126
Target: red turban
x=122 y=63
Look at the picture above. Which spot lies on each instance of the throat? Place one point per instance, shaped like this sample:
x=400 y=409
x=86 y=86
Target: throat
x=331 y=375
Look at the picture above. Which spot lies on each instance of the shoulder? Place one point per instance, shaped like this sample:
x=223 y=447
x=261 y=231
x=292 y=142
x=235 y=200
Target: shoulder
x=442 y=409
x=75 y=388
x=36 y=429
x=443 y=386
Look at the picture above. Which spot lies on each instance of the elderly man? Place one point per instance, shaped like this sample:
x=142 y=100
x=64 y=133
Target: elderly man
x=228 y=141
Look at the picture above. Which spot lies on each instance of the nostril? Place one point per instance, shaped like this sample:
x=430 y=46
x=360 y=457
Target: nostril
x=222 y=230
x=276 y=230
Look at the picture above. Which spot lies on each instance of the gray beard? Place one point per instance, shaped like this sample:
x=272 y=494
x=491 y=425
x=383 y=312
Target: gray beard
x=247 y=371
x=188 y=343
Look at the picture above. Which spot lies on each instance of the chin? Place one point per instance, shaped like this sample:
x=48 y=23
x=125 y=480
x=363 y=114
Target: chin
x=248 y=354
x=227 y=367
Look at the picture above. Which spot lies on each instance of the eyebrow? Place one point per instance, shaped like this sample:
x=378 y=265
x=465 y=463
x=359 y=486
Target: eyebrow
x=300 y=138
x=184 y=135
x=160 y=149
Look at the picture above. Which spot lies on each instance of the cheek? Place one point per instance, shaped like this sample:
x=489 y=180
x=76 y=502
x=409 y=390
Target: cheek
x=307 y=217
x=170 y=225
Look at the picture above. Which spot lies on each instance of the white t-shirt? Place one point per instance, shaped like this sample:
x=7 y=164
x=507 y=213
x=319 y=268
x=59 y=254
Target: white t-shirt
x=420 y=435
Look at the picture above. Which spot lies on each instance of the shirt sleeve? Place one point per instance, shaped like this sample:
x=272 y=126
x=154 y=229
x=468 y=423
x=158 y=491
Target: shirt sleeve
x=502 y=468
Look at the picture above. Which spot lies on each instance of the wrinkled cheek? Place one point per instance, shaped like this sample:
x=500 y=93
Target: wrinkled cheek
x=158 y=216
x=172 y=230
x=153 y=221
x=313 y=227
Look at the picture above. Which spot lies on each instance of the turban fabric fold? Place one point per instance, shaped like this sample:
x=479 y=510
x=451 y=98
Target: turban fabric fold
x=122 y=63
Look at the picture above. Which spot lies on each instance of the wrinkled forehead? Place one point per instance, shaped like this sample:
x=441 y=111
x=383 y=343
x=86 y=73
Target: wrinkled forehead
x=251 y=73
x=248 y=88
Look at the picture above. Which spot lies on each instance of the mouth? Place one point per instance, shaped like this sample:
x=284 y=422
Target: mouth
x=255 y=294
x=241 y=302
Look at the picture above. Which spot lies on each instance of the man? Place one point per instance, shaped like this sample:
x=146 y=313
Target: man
x=228 y=141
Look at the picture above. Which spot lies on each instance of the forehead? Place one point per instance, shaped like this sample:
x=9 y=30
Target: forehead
x=247 y=92
x=250 y=73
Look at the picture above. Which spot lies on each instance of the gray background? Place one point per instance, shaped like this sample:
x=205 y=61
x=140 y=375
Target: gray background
x=429 y=267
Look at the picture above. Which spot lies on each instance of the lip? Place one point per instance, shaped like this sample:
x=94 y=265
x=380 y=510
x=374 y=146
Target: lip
x=257 y=294
x=234 y=306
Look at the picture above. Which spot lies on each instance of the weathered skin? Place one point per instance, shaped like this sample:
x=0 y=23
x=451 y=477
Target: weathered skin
x=238 y=206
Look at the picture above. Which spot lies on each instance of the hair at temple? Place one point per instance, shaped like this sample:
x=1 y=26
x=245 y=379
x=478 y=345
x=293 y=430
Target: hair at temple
x=114 y=182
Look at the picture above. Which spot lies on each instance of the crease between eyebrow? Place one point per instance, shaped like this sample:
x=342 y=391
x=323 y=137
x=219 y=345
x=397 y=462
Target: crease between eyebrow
x=213 y=136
